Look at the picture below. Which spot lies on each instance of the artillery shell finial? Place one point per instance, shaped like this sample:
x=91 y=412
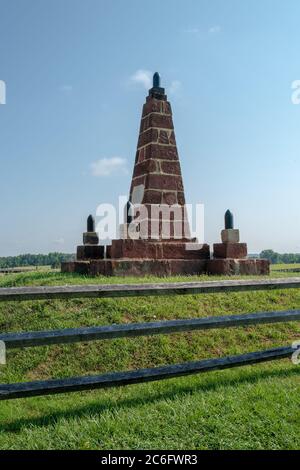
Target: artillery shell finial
x=228 y=220
x=90 y=224
x=156 y=80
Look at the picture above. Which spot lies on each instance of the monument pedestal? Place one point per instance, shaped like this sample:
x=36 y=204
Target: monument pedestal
x=143 y=257
x=155 y=237
x=230 y=256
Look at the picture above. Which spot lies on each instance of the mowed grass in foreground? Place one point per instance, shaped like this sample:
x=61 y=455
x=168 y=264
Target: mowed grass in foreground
x=254 y=407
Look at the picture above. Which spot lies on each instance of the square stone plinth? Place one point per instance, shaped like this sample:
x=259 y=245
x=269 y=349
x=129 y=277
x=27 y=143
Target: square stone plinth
x=230 y=235
x=90 y=238
x=230 y=250
x=87 y=252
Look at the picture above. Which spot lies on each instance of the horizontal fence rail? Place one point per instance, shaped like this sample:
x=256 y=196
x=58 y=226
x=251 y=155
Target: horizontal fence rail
x=130 y=290
x=74 y=384
x=73 y=335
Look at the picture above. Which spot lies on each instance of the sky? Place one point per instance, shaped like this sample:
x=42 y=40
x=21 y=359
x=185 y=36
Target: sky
x=77 y=74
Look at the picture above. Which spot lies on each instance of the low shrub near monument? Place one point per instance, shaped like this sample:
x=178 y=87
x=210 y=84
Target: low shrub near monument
x=252 y=407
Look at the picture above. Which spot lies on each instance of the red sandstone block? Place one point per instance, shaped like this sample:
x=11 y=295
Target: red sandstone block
x=156 y=120
x=172 y=168
x=247 y=266
x=166 y=107
x=183 y=251
x=68 y=267
x=237 y=266
x=148 y=137
x=145 y=167
x=161 y=120
x=135 y=249
x=230 y=250
x=152 y=196
x=152 y=106
x=146 y=249
x=90 y=252
x=173 y=198
x=222 y=266
x=263 y=266
x=255 y=266
x=141 y=268
x=164 y=182
x=161 y=152
x=140 y=156
x=170 y=198
x=180 y=198
x=81 y=267
x=187 y=267
x=100 y=268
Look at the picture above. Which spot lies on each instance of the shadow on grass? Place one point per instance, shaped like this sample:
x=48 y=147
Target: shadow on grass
x=177 y=390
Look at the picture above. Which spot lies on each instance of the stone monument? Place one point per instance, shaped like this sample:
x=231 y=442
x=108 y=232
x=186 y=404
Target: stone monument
x=155 y=236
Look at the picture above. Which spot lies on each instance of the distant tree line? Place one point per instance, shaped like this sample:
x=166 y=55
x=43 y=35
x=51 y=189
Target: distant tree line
x=275 y=258
x=52 y=259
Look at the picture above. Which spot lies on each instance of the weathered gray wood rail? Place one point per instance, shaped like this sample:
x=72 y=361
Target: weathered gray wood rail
x=130 y=290
x=74 y=335
x=115 y=379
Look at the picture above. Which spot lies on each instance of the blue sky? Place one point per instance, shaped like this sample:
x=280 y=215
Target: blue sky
x=74 y=97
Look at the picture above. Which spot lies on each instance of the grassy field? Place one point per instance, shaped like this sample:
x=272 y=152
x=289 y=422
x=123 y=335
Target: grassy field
x=254 y=407
x=279 y=267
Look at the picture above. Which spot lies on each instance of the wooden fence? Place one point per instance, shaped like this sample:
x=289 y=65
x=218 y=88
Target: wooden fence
x=41 y=338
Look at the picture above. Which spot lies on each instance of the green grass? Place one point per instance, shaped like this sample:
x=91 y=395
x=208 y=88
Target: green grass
x=254 y=407
x=275 y=267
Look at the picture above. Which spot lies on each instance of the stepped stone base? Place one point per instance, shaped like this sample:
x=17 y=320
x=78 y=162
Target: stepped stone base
x=136 y=267
x=167 y=267
x=232 y=266
x=140 y=258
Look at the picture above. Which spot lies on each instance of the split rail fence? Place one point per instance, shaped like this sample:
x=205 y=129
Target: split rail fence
x=73 y=335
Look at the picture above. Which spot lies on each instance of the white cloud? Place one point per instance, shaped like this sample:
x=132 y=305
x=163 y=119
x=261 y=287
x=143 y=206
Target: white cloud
x=143 y=77
x=109 y=166
x=214 y=29
x=174 y=87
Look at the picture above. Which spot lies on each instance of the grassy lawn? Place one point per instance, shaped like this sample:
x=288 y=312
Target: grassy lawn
x=254 y=407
